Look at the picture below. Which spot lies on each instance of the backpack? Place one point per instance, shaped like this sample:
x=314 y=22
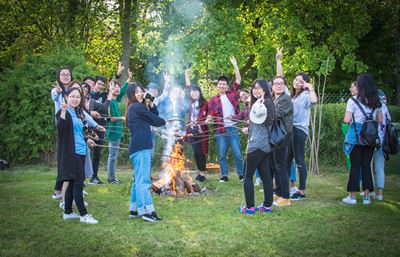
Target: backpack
x=390 y=141
x=368 y=136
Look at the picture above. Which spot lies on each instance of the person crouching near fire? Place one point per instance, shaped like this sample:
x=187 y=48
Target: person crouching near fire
x=140 y=115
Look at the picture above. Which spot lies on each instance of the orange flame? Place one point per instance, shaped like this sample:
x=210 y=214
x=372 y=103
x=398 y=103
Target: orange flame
x=175 y=167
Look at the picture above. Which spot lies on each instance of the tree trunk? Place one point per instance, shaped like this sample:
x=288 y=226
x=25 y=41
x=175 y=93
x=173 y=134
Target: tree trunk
x=126 y=10
x=398 y=67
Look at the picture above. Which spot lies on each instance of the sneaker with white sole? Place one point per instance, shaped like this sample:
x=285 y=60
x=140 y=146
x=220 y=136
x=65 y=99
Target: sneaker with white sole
x=379 y=197
x=297 y=196
x=349 y=200
x=366 y=200
x=263 y=208
x=223 y=179
x=70 y=216
x=133 y=214
x=61 y=205
x=88 y=219
x=55 y=196
x=258 y=182
x=152 y=217
x=282 y=202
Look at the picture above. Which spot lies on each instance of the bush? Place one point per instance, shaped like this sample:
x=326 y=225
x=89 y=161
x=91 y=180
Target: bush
x=331 y=137
x=394 y=111
x=26 y=108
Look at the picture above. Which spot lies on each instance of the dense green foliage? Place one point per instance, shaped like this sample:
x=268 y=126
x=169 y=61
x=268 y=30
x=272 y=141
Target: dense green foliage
x=206 y=225
x=394 y=111
x=338 y=39
x=27 y=111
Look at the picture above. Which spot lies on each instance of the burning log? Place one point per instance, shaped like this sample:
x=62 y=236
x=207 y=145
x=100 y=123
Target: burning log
x=175 y=179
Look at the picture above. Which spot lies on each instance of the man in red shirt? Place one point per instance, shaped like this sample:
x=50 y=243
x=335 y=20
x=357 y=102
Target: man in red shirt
x=220 y=108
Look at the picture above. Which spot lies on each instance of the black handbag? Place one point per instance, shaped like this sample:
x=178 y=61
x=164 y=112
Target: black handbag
x=278 y=133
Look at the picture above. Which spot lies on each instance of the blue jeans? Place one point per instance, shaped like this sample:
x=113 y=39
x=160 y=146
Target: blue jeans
x=379 y=166
x=112 y=158
x=230 y=138
x=140 y=193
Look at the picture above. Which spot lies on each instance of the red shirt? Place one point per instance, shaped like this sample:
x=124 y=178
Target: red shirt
x=215 y=106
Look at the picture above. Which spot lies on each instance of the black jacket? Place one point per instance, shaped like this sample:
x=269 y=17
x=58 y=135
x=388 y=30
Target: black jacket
x=284 y=110
x=67 y=163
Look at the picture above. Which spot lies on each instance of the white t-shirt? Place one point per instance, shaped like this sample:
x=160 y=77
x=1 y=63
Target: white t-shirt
x=228 y=110
x=358 y=115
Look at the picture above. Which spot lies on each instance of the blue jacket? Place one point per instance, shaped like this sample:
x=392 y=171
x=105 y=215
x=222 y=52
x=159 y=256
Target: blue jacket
x=350 y=140
x=139 y=120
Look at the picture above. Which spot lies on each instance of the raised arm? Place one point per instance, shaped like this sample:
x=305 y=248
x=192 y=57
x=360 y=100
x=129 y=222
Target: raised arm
x=236 y=70
x=187 y=77
x=278 y=58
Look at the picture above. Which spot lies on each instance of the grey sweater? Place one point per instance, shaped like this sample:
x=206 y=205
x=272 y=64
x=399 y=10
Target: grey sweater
x=259 y=133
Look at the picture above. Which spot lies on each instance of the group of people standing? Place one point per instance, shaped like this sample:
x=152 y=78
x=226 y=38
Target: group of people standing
x=86 y=113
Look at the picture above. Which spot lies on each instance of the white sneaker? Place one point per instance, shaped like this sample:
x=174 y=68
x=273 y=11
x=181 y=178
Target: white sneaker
x=258 y=182
x=293 y=190
x=55 y=196
x=366 y=200
x=379 y=197
x=88 y=219
x=72 y=215
x=349 y=200
x=61 y=205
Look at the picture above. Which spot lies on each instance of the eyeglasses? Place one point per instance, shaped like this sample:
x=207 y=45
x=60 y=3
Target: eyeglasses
x=279 y=84
x=74 y=96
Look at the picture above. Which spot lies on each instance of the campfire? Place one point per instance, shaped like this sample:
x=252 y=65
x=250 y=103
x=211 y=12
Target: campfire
x=175 y=179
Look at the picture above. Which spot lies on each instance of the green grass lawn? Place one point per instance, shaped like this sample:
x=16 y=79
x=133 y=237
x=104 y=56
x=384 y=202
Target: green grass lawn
x=31 y=223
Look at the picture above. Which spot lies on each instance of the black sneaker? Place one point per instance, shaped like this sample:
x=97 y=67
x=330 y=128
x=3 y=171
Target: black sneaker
x=95 y=181
x=133 y=214
x=200 y=178
x=241 y=178
x=152 y=217
x=223 y=179
x=115 y=181
x=298 y=196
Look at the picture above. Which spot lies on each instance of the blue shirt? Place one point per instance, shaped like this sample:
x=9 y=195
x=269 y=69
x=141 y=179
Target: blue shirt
x=80 y=144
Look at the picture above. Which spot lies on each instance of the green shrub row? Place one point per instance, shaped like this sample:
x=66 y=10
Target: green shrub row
x=27 y=121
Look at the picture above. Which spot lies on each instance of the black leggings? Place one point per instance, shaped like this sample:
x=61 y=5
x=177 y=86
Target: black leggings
x=360 y=159
x=74 y=190
x=278 y=165
x=199 y=156
x=258 y=160
x=97 y=154
x=297 y=150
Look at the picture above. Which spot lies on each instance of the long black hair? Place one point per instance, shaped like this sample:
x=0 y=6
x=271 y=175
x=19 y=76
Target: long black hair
x=58 y=81
x=201 y=97
x=269 y=104
x=130 y=95
x=295 y=93
x=367 y=91
x=79 y=109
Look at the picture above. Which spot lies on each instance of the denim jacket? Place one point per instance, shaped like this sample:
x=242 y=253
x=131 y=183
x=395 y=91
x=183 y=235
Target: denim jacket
x=350 y=140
